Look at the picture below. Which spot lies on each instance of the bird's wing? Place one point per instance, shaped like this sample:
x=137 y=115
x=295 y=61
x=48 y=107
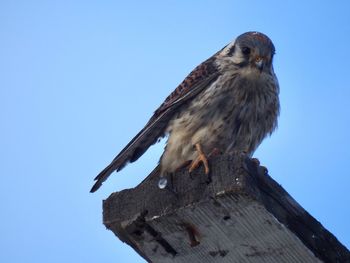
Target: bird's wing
x=194 y=83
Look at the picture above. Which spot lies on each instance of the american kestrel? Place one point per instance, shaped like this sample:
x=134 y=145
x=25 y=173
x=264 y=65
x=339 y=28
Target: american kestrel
x=228 y=103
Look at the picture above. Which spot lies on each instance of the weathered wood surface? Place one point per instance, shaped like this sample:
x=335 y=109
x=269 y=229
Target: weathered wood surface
x=241 y=215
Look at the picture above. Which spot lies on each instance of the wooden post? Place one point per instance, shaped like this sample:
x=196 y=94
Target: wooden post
x=240 y=215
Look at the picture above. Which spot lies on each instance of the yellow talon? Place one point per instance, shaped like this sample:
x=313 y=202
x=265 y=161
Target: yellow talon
x=201 y=158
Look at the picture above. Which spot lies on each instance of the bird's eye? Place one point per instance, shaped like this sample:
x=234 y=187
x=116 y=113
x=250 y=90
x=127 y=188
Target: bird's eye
x=245 y=50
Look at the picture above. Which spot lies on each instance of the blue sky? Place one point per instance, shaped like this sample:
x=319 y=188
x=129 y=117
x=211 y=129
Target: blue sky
x=78 y=79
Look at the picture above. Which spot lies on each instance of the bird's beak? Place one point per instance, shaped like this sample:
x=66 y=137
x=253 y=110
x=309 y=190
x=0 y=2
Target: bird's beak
x=259 y=62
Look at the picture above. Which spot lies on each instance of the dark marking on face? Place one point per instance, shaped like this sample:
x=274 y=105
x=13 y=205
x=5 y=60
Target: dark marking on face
x=231 y=51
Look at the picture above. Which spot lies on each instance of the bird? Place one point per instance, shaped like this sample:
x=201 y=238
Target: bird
x=229 y=103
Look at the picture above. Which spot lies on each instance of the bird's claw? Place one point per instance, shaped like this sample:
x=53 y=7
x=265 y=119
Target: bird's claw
x=201 y=158
x=255 y=161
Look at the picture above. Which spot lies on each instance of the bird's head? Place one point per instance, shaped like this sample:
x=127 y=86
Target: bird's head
x=252 y=49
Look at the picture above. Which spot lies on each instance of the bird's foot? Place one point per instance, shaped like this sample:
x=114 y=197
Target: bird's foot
x=255 y=161
x=215 y=152
x=240 y=153
x=262 y=170
x=200 y=159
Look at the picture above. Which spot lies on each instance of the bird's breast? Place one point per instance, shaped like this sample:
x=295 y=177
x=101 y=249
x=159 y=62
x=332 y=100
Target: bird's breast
x=231 y=109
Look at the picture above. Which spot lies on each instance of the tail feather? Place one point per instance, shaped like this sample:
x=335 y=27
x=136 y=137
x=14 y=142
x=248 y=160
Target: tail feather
x=101 y=177
x=136 y=147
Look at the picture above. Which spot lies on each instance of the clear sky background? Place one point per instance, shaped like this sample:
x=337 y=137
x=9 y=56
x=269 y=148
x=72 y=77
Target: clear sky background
x=78 y=79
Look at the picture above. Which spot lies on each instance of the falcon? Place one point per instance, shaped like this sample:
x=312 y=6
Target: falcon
x=229 y=103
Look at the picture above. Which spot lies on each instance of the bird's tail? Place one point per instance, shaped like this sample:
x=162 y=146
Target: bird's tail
x=102 y=176
x=133 y=150
x=110 y=169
